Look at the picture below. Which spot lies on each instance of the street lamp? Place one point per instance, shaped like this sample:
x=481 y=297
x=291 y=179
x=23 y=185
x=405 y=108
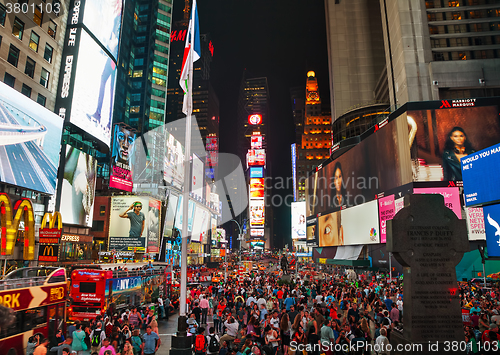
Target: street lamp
x=240 y=235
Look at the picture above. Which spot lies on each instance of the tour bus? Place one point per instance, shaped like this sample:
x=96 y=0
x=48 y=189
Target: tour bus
x=100 y=288
x=38 y=296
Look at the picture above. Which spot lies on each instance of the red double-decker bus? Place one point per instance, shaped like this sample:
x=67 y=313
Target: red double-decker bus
x=95 y=289
x=38 y=297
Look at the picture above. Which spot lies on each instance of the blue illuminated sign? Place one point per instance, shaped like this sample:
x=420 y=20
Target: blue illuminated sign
x=294 y=171
x=125 y=284
x=257 y=172
x=481 y=176
x=492 y=229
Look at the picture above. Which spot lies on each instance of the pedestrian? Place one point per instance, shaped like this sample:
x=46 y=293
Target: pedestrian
x=78 y=340
x=42 y=348
x=106 y=346
x=96 y=338
x=200 y=343
x=151 y=342
x=66 y=344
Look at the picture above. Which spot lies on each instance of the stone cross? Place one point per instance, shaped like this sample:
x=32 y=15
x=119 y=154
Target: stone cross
x=429 y=241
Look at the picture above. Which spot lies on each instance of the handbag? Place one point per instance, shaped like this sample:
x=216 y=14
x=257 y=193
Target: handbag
x=84 y=344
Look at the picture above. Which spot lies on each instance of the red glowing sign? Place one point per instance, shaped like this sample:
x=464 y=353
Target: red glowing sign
x=211 y=48
x=255 y=119
x=178 y=35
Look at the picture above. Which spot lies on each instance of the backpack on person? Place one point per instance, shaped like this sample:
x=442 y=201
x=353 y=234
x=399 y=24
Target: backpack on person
x=96 y=338
x=213 y=345
x=199 y=343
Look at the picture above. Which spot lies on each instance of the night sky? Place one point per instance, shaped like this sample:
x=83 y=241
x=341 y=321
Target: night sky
x=279 y=39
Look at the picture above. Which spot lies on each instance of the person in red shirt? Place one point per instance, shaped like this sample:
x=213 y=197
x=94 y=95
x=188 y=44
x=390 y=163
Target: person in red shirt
x=280 y=297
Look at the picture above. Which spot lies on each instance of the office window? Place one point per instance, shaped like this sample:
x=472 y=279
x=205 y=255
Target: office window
x=18 y=28
x=13 y=57
x=26 y=90
x=9 y=80
x=29 y=70
x=44 y=78
x=38 y=15
x=52 y=29
x=47 y=55
x=34 y=41
x=3 y=14
x=41 y=100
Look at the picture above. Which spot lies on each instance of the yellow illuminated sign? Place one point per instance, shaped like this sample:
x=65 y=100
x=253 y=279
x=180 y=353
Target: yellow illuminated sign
x=10 y=226
x=50 y=219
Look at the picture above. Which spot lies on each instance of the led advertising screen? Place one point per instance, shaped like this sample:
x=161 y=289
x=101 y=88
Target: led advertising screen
x=256 y=172
x=451 y=197
x=122 y=158
x=481 y=176
x=257 y=232
x=131 y=218
x=170 y=215
x=221 y=235
x=346 y=228
x=179 y=214
x=256 y=157
x=256 y=188
x=441 y=137
x=311 y=230
x=257 y=246
x=379 y=163
x=30 y=143
x=257 y=213
x=298 y=220
x=212 y=158
x=475 y=223
x=492 y=228
x=200 y=224
x=294 y=170
x=387 y=208
x=256 y=142
x=103 y=19
x=154 y=226
x=212 y=143
x=78 y=188
x=173 y=167
x=93 y=90
x=213 y=225
x=197 y=178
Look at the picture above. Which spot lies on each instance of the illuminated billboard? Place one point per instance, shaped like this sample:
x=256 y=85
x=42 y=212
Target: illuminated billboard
x=379 y=163
x=30 y=144
x=170 y=215
x=256 y=142
x=451 y=197
x=200 y=224
x=256 y=172
x=443 y=136
x=197 y=177
x=475 y=223
x=345 y=227
x=212 y=143
x=257 y=246
x=298 y=220
x=254 y=119
x=257 y=232
x=256 y=157
x=78 y=188
x=492 y=228
x=294 y=170
x=256 y=188
x=179 y=214
x=132 y=222
x=122 y=158
x=257 y=213
x=103 y=19
x=481 y=176
x=173 y=167
x=311 y=231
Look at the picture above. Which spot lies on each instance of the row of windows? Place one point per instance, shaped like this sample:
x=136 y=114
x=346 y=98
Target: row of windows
x=460 y=15
x=465 y=41
x=25 y=90
x=465 y=55
x=18 y=27
x=29 y=69
x=430 y=4
x=464 y=28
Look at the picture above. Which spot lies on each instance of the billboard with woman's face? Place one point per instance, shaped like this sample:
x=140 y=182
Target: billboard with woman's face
x=122 y=158
x=441 y=137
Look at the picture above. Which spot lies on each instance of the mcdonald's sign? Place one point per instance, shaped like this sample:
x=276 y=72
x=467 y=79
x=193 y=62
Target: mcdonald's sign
x=10 y=226
x=48 y=252
x=50 y=232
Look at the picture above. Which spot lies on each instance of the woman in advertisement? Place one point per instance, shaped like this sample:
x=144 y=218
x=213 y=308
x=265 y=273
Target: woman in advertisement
x=331 y=232
x=340 y=196
x=456 y=147
x=123 y=150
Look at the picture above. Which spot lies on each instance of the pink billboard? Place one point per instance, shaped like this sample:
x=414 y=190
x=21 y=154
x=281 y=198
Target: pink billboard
x=450 y=194
x=386 y=210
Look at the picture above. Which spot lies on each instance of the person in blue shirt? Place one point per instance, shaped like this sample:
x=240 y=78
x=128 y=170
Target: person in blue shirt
x=289 y=301
x=475 y=309
x=151 y=342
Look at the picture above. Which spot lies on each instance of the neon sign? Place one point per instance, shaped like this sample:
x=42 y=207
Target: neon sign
x=211 y=48
x=255 y=119
x=10 y=226
x=178 y=35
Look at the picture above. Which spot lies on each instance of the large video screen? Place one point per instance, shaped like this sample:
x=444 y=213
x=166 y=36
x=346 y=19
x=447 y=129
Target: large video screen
x=443 y=136
x=173 y=170
x=380 y=162
x=94 y=90
x=103 y=19
x=256 y=157
x=197 y=178
x=170 y=215
x=200 y=224
x=154 y=226
x=78 y=188
x=256 y=188
x=257 y=213
x=180 y=213
x=345 y=227
x=132 y=221
x=122 y=158
x=30 y=143
x=298 y=220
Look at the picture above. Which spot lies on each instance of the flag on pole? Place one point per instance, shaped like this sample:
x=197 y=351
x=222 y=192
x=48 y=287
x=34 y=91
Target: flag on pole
x=192 y=52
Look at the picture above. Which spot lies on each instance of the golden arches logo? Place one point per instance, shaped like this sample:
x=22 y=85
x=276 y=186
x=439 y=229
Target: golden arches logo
x=50 y=219
x=10 y=226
